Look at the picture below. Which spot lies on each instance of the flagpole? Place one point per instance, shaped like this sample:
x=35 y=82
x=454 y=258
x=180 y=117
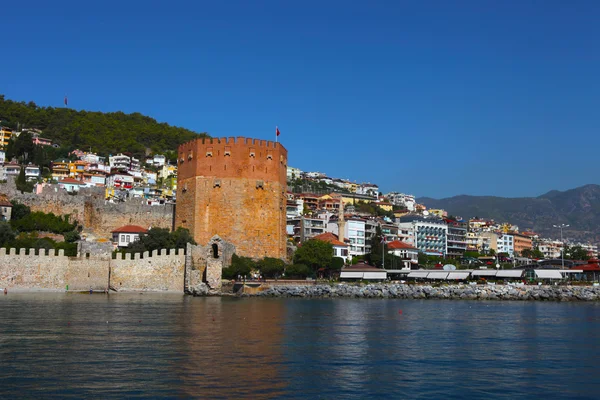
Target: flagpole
x=276 y=134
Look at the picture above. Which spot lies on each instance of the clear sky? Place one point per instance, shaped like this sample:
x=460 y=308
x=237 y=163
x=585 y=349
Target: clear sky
x=433 y=98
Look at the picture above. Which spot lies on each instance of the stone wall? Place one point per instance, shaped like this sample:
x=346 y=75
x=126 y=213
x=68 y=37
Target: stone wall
x=98 y=216
x=160 y=271
x=204 y=265
x=234 y=188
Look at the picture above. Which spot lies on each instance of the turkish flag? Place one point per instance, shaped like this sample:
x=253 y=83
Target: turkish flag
x=276 y=131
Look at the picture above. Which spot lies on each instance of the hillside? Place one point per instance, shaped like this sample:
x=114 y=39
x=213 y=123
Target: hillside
x=579 y=207
x=105 y=133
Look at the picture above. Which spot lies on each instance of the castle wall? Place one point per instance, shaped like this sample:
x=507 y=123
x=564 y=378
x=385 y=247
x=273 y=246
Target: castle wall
x=90 y=209
x=234 y=188
x=156 y=271
x=138 y=272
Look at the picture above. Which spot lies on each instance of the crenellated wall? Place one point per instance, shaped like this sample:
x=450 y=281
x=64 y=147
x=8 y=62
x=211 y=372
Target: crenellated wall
x=234 y=188
x=160 y=271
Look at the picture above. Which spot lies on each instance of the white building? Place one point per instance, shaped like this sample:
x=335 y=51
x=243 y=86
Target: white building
x=294 y=207
x=339 y=249
x=408 y=253
x=355 y=234
x=402 y=200
x=506 y=244
x=293 y=173
x=159 y=160
x=32 y=172
x=430 y=234
x=550 y=248
x=2 y=157
x=127 y=234
x=120 y=181
x=369 y=189
x=120 y=161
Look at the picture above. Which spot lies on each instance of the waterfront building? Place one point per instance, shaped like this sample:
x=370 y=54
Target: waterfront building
x=430 y=234
x=457 y=239
x=408 y=253
x=521 y=242
x=340 y=249
x=506 y=244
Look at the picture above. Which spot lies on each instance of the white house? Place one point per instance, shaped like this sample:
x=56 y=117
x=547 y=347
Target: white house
x=127 y=234
x=71 y=185
x=339 y=249
x=408 y=253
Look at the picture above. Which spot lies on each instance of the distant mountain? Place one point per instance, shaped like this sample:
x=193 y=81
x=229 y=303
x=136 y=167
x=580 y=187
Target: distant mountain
x=105 y=133
x=579 y=208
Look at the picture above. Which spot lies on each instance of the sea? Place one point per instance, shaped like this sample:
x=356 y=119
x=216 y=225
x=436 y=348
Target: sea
x=73 y=345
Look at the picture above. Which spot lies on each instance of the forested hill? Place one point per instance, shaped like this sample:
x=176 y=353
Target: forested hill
x=105 y=133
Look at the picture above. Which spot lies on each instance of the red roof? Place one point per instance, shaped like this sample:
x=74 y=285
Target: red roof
x=4 y=201
x=396 y=245
x=330 y=238
x=130 y=229
x=592 y=265
x=362 y=267
x=71 y=181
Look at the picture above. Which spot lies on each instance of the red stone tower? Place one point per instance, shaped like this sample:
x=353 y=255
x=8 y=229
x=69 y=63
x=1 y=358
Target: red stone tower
x=234 y=188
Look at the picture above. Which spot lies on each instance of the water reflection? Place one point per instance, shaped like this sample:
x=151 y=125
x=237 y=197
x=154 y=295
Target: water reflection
x=131 y=345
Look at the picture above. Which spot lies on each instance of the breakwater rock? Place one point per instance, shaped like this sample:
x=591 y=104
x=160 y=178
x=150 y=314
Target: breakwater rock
x=450 y=292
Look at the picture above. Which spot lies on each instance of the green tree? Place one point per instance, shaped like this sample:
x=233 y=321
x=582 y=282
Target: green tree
x=6 y=233
x=240 y=266
x=537 y=253
x=271 y=267
x=375 y=257
x=528 y=253
x=160 y=238
x=337 y=263
x=23 y=147
x=19 y=210
x=300 y=271
x=576 y=253
x=21 y=182
x=314 y=253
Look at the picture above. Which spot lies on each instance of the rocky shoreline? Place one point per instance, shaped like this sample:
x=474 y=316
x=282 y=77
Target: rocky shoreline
x=445 y=292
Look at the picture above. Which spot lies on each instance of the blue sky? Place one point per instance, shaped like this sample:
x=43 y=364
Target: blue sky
x=434 y=98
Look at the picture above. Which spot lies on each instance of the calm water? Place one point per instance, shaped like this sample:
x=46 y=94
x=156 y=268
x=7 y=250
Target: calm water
x=131 y=345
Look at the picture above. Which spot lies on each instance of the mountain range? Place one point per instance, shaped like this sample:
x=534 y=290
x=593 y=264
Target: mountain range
x=579 y=208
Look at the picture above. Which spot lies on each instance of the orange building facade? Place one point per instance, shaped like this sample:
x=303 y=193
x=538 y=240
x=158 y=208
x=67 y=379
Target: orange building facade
x=234 y=188
x=522 y=242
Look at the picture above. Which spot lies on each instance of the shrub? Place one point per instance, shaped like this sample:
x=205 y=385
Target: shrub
x=297 y=271
x=271 y=267
x=239 y=266
x=337 y=263
x=71 y=237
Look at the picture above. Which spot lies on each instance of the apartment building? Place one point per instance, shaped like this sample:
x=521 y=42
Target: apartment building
x=506 y=244
x=430 y=233
x=457 y=239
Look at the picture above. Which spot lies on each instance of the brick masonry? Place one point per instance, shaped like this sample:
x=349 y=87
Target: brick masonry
x=234 y=188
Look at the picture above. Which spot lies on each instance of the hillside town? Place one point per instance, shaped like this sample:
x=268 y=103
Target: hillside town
x=314 y=200
x=409 y=228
